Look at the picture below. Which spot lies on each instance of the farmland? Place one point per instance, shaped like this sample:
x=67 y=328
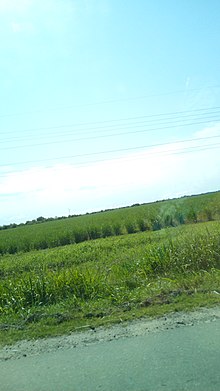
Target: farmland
x=129 y=220
x=121 y=275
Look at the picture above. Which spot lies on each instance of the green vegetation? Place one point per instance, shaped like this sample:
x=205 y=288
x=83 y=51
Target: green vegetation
x=139 y=218
x=101 y=281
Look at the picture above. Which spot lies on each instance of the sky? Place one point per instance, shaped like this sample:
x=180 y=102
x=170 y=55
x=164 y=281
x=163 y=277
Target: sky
x=106 y=103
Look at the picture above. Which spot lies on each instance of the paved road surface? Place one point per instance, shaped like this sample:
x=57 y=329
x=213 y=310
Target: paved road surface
x=186 y=358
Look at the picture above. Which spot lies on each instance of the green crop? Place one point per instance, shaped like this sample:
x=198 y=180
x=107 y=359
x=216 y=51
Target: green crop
x=139 y=218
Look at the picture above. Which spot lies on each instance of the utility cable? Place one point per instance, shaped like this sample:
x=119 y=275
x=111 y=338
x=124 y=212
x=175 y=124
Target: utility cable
x=176 y=151
x=112 y=151
x=138 y=124
x=171 y=125
x=98 y=137
x=114 y=100
x=152 y=117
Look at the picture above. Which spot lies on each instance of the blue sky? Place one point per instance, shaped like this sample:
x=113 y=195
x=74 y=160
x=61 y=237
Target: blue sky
x=106 y=103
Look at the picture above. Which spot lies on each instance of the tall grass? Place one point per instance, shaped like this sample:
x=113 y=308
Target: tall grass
x=114 y=268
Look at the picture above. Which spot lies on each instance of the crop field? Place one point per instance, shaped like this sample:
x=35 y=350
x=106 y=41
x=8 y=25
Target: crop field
x=59 y=290
x=38 y=235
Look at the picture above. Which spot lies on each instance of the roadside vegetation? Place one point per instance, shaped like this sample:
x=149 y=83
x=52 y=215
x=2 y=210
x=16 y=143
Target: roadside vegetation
x=77 y=286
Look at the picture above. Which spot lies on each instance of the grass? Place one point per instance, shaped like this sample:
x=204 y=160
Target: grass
x=102 y=281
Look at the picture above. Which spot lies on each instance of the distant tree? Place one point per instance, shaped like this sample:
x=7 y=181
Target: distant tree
x=13 y=225
x=40 y=219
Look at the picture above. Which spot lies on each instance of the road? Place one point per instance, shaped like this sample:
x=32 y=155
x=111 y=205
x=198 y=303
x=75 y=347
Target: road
x=184 y=358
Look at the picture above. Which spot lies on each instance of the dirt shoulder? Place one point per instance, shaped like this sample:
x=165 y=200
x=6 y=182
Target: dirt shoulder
x=86 y=335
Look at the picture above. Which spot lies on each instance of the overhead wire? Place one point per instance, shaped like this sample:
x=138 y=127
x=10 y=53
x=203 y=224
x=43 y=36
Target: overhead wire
x=112 y=151
x=181 y=115
x=176 y=151
x=114 y=100
x=174 y=122
x=101 y=136
x=171 y=120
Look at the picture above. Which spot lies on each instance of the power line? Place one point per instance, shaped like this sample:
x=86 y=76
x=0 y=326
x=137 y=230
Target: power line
x=151 y=117
x=137 y=124
x=116 y=127
x=102 y=136
x=114 y=100
x=176 y=151
x=113 y=151
x=169 y=119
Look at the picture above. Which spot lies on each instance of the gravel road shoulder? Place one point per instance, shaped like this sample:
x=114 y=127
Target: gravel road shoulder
x=86 y=335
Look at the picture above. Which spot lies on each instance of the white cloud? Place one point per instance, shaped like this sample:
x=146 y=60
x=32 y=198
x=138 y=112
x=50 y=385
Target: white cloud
x=160 y=172
x=210 y=131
